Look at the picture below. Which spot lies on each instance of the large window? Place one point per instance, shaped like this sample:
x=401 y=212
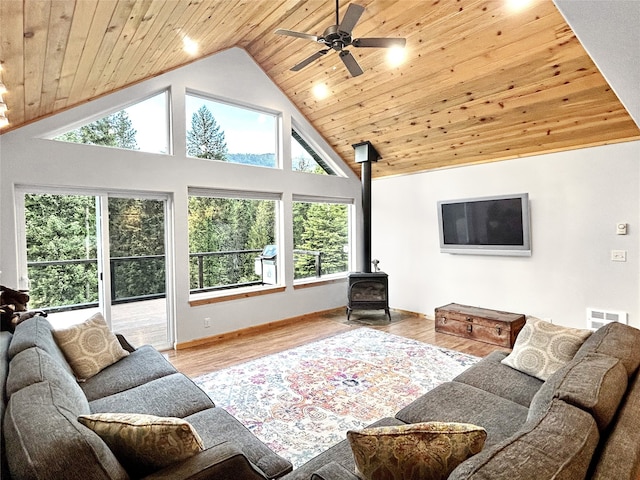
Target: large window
x=228 y=133
x=143 y=126
x=228 y=232
x=304 y=157
x=320 y=238
x=103 y=252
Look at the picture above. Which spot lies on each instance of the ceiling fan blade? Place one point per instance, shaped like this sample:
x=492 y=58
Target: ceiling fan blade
x=379 y=42
x=351 y=64
x=291 y=33
x=308 y=60
x=351 y=18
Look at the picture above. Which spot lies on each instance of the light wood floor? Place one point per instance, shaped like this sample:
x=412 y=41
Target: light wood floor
x=198 y=360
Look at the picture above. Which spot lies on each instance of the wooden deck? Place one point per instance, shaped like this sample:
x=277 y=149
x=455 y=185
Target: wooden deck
x=141 y=323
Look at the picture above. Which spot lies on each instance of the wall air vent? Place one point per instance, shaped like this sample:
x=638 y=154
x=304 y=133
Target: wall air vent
x=597 y=317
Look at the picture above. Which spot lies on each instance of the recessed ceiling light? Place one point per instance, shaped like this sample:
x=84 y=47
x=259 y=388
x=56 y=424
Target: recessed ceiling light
x=518 y=5
x=320 y=91
x=189 y=46
x=396 y=56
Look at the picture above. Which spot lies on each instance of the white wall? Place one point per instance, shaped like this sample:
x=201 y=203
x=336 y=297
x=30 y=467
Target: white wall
x=28 y=159
x=576 y=199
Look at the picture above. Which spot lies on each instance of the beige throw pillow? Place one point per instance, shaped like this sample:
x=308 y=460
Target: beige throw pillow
x=145 y=443
x=89 y=347
x=430 y=450
x=542 y=347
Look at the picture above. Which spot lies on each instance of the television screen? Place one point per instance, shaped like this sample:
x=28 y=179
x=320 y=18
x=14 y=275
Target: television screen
x=496 y=225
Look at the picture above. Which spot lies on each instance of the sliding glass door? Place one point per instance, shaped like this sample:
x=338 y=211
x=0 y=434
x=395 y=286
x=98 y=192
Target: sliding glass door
x=88 y=253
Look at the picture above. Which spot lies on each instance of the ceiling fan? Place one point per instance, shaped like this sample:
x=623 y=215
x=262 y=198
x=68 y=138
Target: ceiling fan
x=338 y=37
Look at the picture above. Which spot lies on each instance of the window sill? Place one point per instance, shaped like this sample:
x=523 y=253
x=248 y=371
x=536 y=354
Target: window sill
x=217 y=297
x=315 y=282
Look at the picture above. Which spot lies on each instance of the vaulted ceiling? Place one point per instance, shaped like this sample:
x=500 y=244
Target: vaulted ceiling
x=481 y=81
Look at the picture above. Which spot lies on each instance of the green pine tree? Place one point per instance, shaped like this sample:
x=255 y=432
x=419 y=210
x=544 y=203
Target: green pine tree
x=115 y=130
x=206 y=139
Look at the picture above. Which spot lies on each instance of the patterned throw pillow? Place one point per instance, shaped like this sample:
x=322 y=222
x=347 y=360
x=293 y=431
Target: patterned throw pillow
x=89 y=347
x=542 y=347
x=145 y=443
x=428 y=450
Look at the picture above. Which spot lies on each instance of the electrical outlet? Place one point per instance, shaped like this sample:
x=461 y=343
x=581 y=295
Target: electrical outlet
x=207 y=322
x=618 y=255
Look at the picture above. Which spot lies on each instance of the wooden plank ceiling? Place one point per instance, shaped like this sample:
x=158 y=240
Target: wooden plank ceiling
x=481 y=82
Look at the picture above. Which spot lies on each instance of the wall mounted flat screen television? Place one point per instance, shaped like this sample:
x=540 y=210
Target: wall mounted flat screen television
x=497 y=225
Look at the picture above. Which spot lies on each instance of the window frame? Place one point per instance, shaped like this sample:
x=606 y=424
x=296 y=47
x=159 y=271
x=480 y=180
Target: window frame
x=277 y=116
x=224 y=293
x=351 y=235
x=319 y=152
x=51 y=135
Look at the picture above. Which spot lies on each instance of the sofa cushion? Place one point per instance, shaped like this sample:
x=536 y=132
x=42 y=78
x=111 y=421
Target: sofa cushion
x=621 y=441
x=340 y=456
x=141 y=366
x=34 y=365
x=595 y=383
x=541 y=347
x=414 y=452
x=216 y=426
x=170 y=396
x=616 y=340
x=44 y=440
x=492 y=376
x=333 y=471
x=458 y=402
x=5 y=340
x=558 y=445
x=224 y=461
x=37 y=332
x=145 y=443
x=89 y=346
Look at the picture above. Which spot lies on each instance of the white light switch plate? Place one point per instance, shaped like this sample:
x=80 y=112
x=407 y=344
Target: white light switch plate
x=618 y=255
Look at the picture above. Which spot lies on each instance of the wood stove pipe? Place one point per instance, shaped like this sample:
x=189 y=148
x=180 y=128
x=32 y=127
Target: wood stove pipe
x=365 y=154
x=366 y=217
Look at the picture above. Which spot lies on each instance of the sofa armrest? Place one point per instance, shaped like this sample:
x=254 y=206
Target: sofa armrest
x=333 y=471
x=221 y=462
x=124 y=343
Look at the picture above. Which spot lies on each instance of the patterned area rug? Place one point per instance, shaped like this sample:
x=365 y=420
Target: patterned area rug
x=302 y=401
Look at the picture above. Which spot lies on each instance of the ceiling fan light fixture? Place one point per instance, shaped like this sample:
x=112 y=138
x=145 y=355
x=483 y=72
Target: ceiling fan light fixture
x=339 y=37
x=396 y=56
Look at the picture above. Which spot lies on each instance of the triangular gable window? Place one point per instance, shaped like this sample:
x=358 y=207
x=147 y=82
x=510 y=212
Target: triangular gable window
x=305 y=159
x=143 y=126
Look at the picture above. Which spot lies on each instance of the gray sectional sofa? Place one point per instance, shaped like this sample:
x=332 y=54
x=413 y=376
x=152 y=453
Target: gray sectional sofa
x=42 y=438
x=583 y=422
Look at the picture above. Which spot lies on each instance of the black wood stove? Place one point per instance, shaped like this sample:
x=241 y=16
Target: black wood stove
x=367 y=290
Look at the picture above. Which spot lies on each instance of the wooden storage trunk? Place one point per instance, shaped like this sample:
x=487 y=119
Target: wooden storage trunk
x=482 y=324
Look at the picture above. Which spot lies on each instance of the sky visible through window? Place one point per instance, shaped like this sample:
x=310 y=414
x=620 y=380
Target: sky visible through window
x=246 y=131
x=150 y=120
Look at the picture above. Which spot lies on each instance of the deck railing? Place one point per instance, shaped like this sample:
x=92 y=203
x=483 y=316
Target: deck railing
x=142 y=277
